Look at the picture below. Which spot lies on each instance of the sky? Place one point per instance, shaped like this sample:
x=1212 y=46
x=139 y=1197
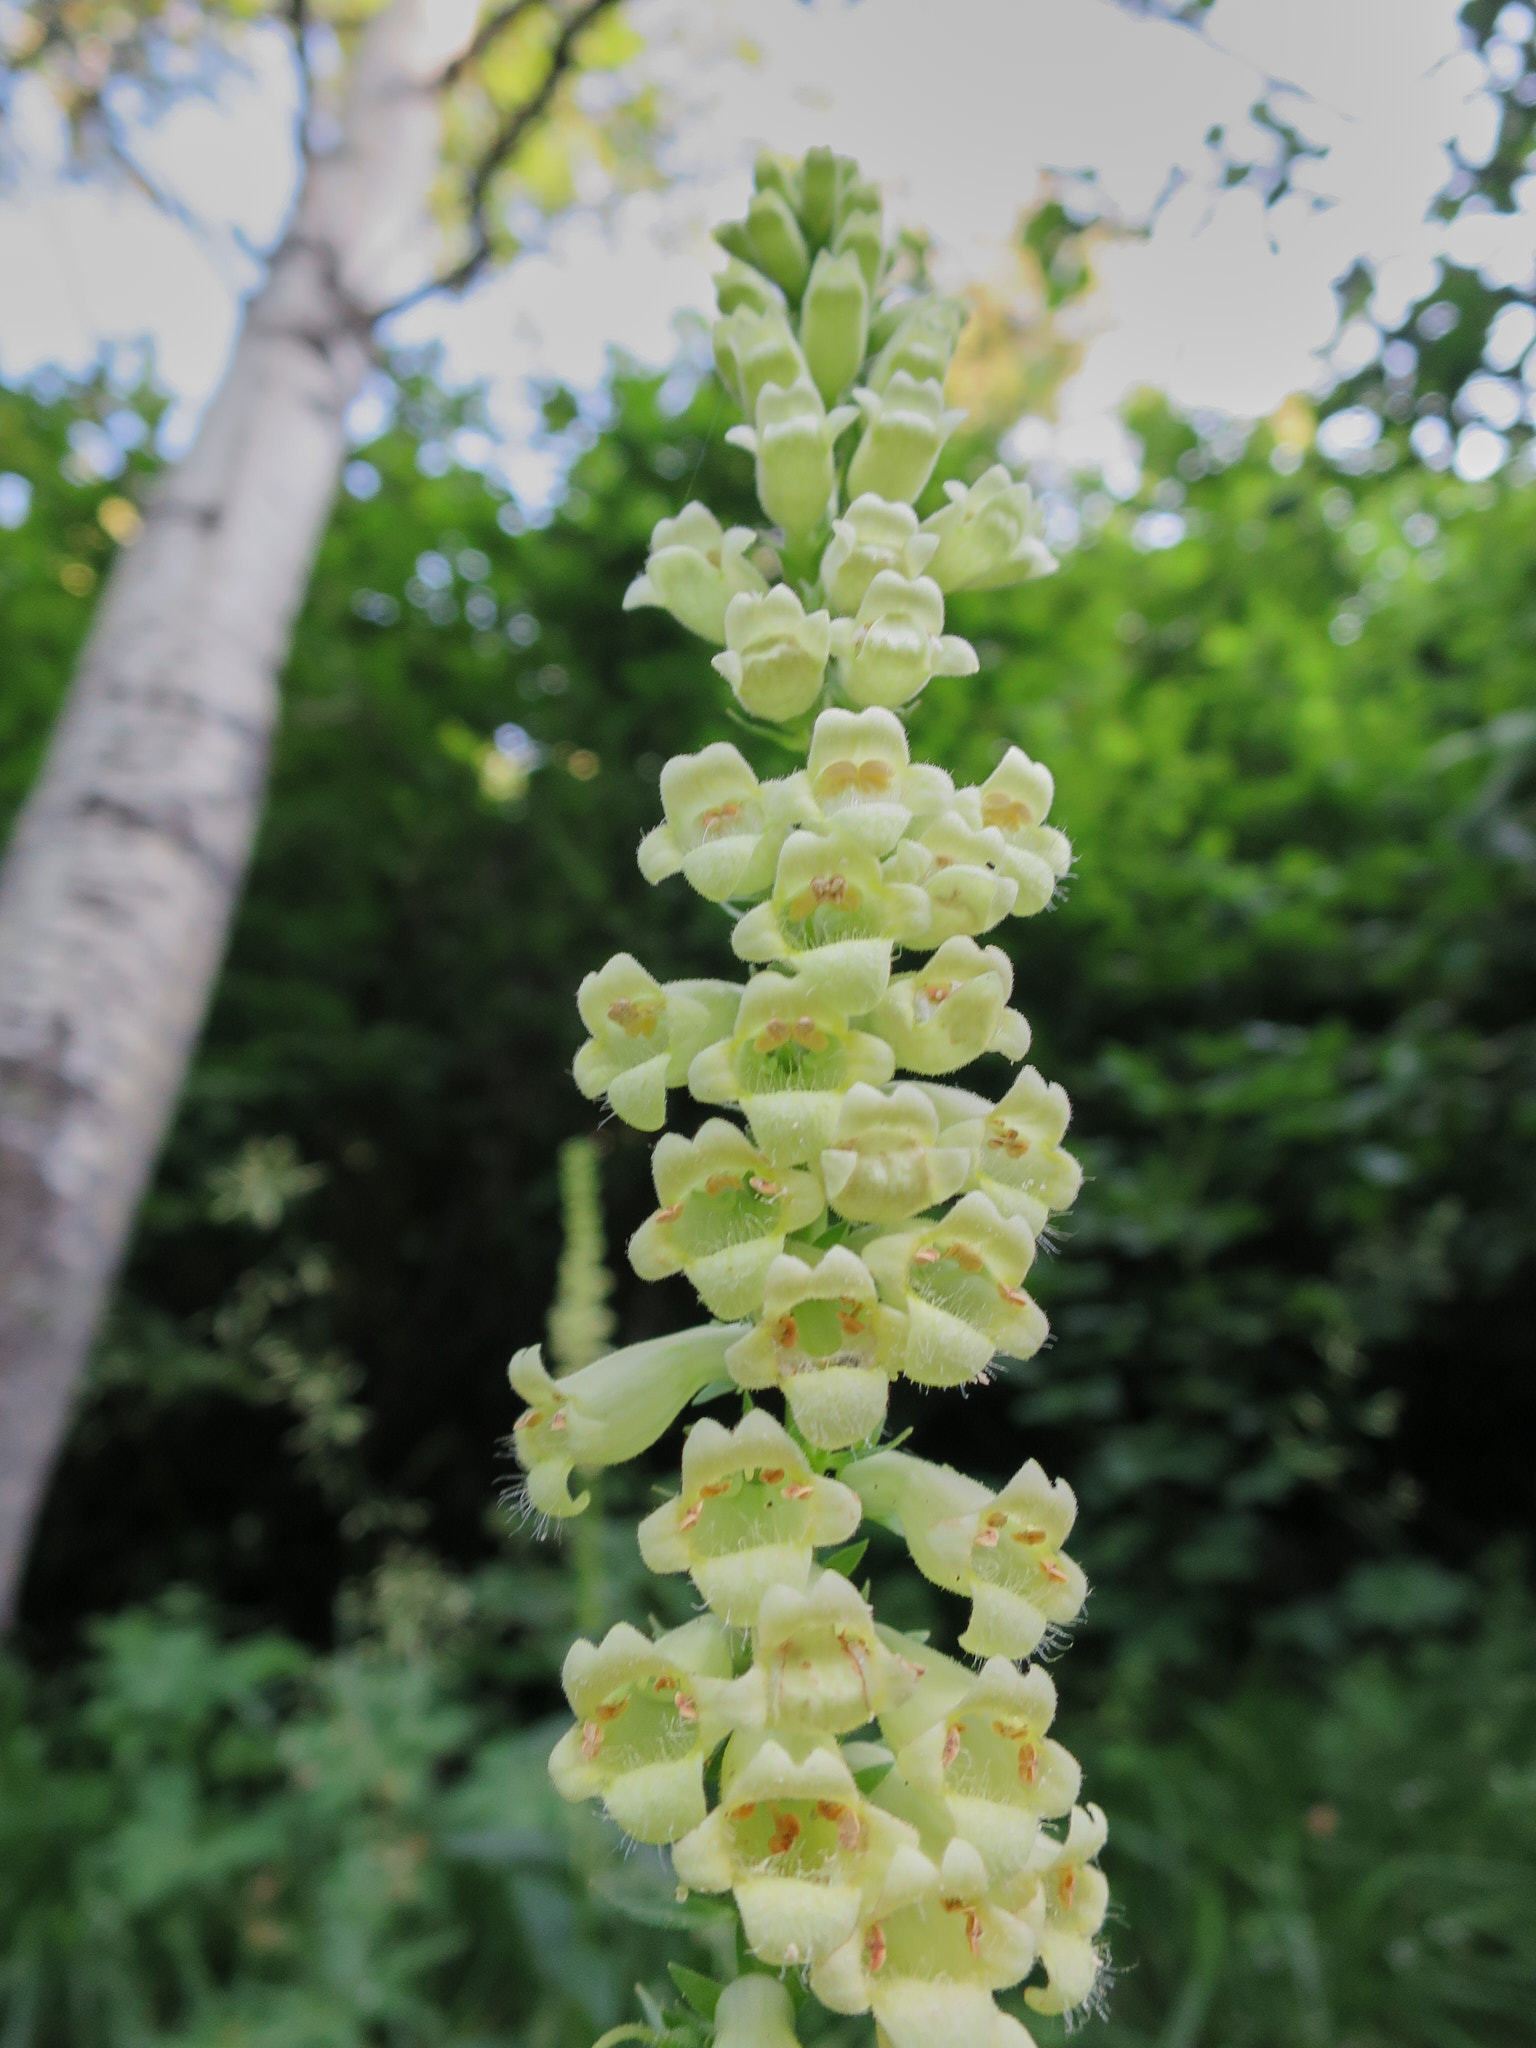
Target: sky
x=960 y=112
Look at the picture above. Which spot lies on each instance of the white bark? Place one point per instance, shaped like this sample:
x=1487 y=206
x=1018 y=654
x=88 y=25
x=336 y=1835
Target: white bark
x=126 y=863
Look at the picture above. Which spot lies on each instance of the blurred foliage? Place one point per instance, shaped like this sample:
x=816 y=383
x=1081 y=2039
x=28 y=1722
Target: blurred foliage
x=1290 y=990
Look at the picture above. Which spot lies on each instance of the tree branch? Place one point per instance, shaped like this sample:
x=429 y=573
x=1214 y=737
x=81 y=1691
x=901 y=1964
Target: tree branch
x=487 y=33
x=503 y=147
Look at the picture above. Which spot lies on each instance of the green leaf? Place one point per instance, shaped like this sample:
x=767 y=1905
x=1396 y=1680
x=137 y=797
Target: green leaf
x=701 y=1992
x=847 y=1560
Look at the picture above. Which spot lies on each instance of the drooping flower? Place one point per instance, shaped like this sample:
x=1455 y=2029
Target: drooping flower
x=1012 y=802
x=776 y=653
x=1004 y=1551
x=644 y=1036
x=905 y=426
x=1016 y=1146
x=797 y=1843
x=872 y=535
x=863 y=781
x=959 y=1282
x=646 y=1721
x=988 y=535
x=895 y=643
x=828 y=1342
x=788 y=1061
x=946 y=1014
x=607 y=1412
x=724 y=1216
x=825 y=1669
x=723 y=827
x=792 y=440
x=694 y=569
x=1076 y=1900
x=749 y=1516
x=834 y=321
x=831 y=897
x=885 y=1162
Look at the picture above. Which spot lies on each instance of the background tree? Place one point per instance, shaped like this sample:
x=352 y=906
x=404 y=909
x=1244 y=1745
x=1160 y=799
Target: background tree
x=128 y=857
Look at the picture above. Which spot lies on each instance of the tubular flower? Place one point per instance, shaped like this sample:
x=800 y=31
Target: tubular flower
x=606 y=1413
x=846 y=1228
x=775 y=654
x=1003 y=1551
x=749 y=1516
x=799 y=1846
x=723 y=827
x=1012 y=802
x=788 y=1062
x=892 y=647
x=988 y=535
x=947 y=1013
x=825 y=1339
x=885 y=1162
x=792 y=442
x=958 y=1282
x=832 y=897
x=694 y=569
x=905 y=426
x=1019 y=1163
x=645 y=1723
x=863 y=782
x=724 y=1215
x=872 y=535
x=644 y=1035
x=1076 y=1899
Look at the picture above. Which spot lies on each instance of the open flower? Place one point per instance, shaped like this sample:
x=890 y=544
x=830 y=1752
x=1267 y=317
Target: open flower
x=792 y=441
x=872 y=535
x=863 y=781
x=749 y=1516
x=895 y=642
x=929 y=1954
x=978 y=1742
x=798 y=1845
x=755 y=348
x=988 y=535
x=644 y=1035
x=1004 y=1551
x=694 y=569
x=1012 y=802
x=834 y=321
x=775 y=655
x=961 y=869
x=607 y=1412
x=948 y=1013
x=724 y=1215
x=788 y=1062
x=723 y=827
x=1019 y=1161
x=905 y=426
x=1076 y=1900
x=829 y=894
x=885 y=1162
x=828 y=1342
x=645 y=1723
x=959 y=1283
x=825 y=1669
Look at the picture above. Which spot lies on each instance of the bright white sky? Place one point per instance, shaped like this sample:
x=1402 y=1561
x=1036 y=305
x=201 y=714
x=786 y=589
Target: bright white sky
x=957 y=110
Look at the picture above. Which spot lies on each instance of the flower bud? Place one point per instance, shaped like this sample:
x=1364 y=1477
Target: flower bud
x=1076 y=1900
x=820 y=175
x=776 y=653
x=646 y=1720
x=865 y=787
x=1004 y=1552
x=923 y=344
x=792 y=442
x=723 y=827
x=825 y=1339
x=887 y=652
x=959 y=1284
x=788 y=1062
x=951 y=1011
x=858 y=235
x=828 y=894
x=834 y=322
x=607 y=1412
x=723 y=1218
x=755 y=2012
x=905 y=427
x=742 y=284
x=885 y=1162
x=1016 y=1147
x=988 y=535
x=871 y=535
x=694 y=570
x=778 y=246
x=755 y=349
x=750 y=1514
x=644 y=1035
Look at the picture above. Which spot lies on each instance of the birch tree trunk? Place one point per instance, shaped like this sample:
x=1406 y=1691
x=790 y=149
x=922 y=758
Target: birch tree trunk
x=118 y=888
